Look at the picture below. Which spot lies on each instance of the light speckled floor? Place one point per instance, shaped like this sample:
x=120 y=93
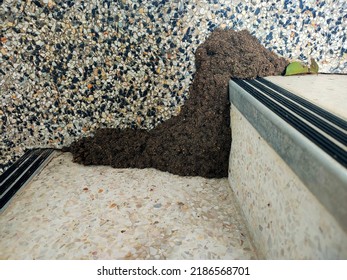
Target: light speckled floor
x=71 y=211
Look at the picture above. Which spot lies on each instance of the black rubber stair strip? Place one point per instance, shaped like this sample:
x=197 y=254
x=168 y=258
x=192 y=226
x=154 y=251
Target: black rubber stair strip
x=306 y=114
x=20 y=172
x=314 y=108
x=7 y=173
x=339 y=154
x=17 y=170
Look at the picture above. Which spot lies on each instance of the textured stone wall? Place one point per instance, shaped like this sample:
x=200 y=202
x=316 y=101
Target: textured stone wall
x=69 y=67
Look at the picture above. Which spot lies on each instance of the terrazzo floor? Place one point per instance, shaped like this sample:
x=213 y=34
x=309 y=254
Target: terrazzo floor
x=70 y=211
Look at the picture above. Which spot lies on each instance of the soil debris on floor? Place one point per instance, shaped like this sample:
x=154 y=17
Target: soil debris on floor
x=197 y=141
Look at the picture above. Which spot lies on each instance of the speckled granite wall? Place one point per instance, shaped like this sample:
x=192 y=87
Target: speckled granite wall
x=68 y=67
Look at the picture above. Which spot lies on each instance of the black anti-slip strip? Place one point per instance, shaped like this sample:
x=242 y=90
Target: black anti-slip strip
x=25 y=171
x=7 y=181
x=6 y=174
x=314 y=108
x=307 y=115
x=320 y=140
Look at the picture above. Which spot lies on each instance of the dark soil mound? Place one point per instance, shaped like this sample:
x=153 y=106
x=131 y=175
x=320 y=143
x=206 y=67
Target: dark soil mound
x=196 y=142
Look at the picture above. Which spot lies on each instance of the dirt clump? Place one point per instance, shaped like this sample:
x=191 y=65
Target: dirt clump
x=196 y=142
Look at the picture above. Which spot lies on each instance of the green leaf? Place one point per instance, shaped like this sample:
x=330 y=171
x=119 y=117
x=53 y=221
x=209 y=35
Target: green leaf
x=296 y=68
x=314 y=67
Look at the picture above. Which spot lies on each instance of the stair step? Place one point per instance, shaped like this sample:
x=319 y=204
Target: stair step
x=305 y=140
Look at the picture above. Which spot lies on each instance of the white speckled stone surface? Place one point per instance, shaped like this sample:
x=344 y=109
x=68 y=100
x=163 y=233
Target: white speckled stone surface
x=72 y=211
x=285 y=219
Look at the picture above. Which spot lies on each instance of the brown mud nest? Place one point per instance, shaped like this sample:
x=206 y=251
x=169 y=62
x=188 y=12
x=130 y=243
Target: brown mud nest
x=196 y=142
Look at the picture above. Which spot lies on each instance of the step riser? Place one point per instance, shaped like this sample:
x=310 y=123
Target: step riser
x=291 y=192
